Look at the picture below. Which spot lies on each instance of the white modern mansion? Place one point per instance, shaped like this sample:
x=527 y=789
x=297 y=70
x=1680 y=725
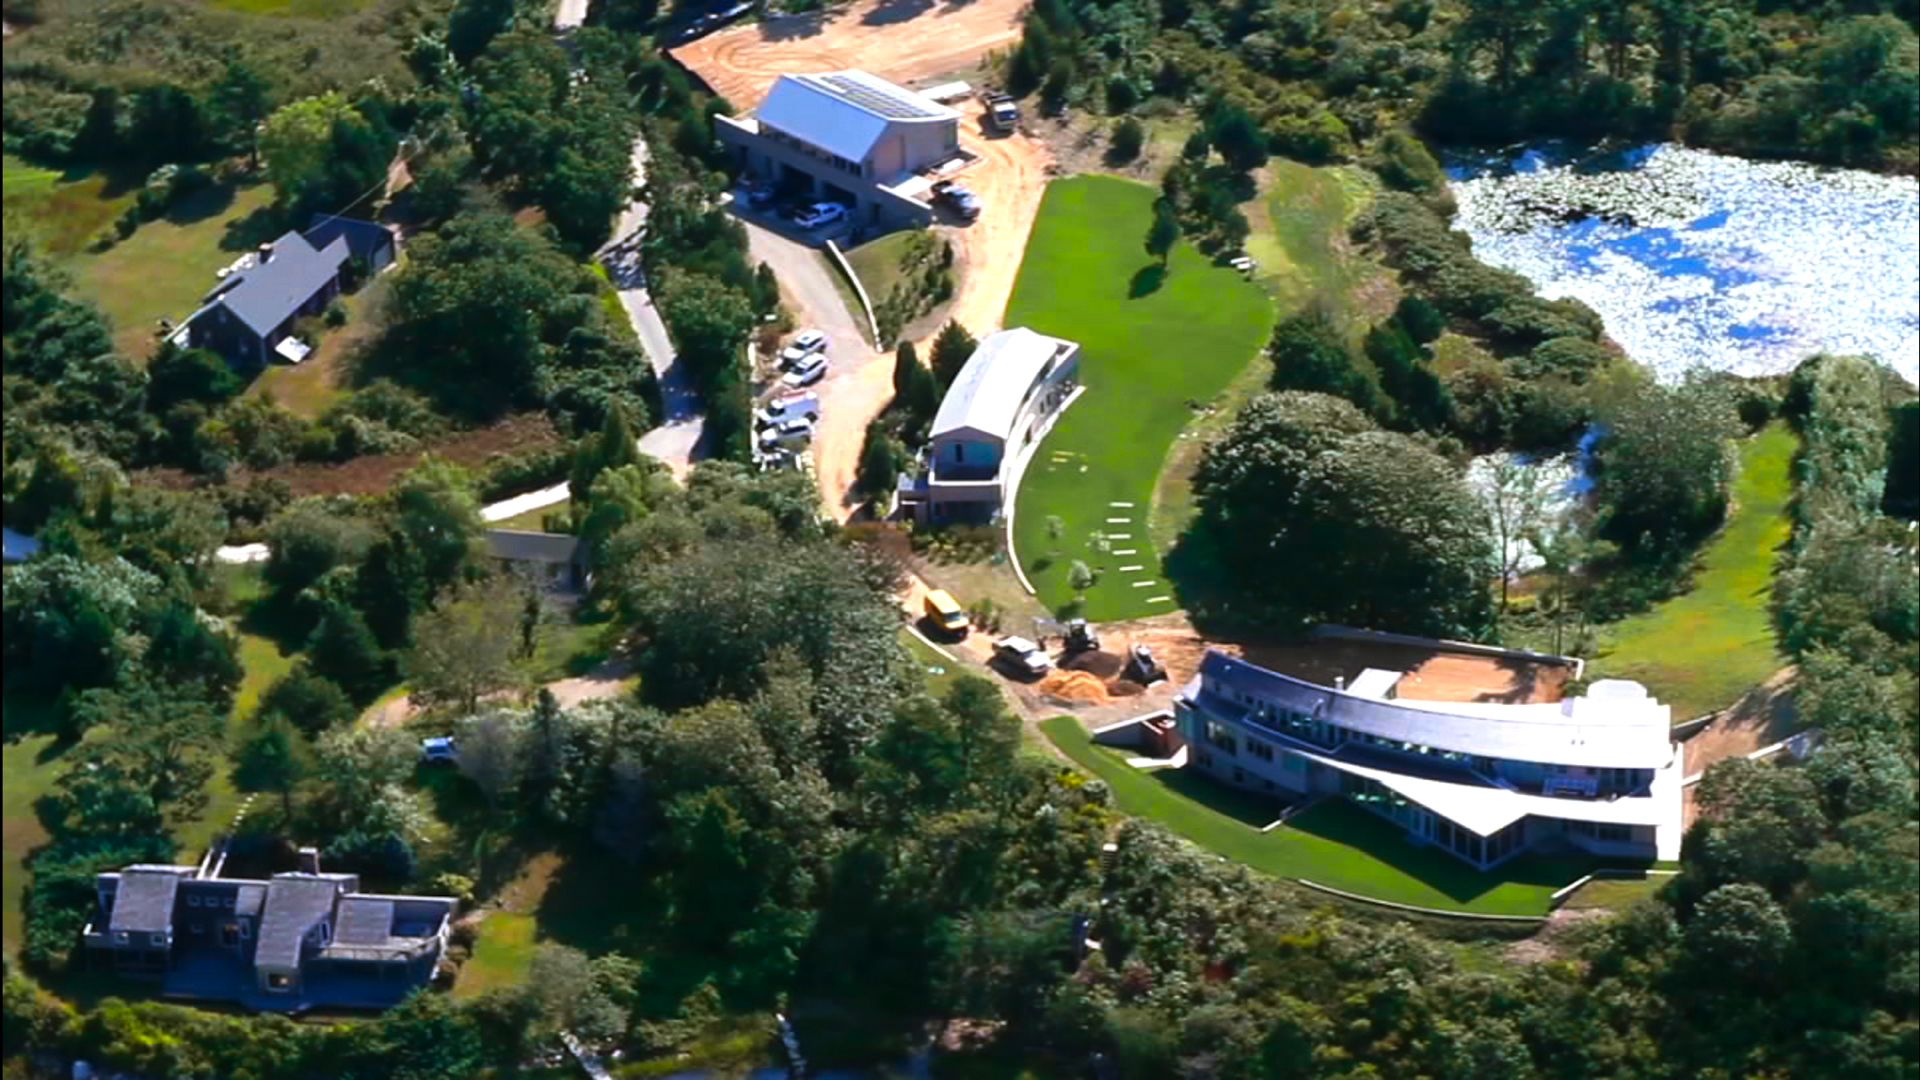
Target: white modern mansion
x=1482 y=780
x=1003 y=400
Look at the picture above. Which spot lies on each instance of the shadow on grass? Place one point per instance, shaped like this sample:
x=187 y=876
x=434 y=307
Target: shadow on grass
x=1146 y=281
x=1348 y=825
x=256 y=228
x=201 y=205
x=1244 y=807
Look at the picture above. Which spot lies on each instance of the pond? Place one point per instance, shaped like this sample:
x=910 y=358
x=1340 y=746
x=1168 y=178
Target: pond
x=1698 y=259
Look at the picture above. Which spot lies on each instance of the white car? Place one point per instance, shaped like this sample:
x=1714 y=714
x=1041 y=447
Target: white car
x=787 y=434
x=1023 y=655
x=803 y=345
x=807 y=372
x=788 y=408
x=820 y=214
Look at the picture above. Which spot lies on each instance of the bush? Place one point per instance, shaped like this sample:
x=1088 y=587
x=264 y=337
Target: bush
x=519 y=471
x=1128 y=138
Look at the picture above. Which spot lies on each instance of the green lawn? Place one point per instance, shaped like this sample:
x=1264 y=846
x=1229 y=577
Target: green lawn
x=1335 y=844
x=939 y=671
x=28 y=768
x=307 y=9
x=1146 y=353
x=1701 y=650
x=500 y=956
x=167 y=265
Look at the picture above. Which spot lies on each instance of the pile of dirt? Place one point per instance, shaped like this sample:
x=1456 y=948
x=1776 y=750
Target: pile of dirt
x=1073 y=686
x=1104 y=664
x=1124 y=688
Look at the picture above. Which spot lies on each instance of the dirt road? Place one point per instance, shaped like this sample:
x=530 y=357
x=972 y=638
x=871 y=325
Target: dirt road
x=901 y=40
x=1010 y=179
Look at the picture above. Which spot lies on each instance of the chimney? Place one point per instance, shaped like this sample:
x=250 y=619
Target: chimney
x=1339 y=682
x=309 y=860
x=266 y=253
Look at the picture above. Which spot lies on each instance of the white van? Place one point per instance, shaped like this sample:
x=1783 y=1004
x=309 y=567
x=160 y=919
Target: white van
x=793 y=407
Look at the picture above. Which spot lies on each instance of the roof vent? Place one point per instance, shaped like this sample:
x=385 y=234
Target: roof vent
x=309 y=860
x=266 y=253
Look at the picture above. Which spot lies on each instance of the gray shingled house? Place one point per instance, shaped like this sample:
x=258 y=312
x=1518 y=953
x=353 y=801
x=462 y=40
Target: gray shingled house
x=248 y=316
x=292 y=942
x=556 y=558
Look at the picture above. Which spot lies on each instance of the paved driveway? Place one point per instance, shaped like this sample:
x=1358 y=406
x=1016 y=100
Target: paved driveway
x=859 y=381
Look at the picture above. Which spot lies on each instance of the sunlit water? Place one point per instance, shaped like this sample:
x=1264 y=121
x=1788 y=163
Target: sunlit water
x=1700 y=259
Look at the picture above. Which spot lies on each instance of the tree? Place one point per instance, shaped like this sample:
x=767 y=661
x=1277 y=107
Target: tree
x=161 y=740
x=1080 y=576
x=572 y=994
x=1663 y=472
x=1737 y=938
x=463 y=649
x=1233 y=131
x=474 y=24
x=236 y=105
x=310 y=538
x=906 y=360
x=493 y=753
x=343 y=650
x=311 y=703
x=438 y=511
x=951 y=351
x=1309 y=353
x=1128 y=137
x=175 y=374
x=1163 y=233
x=270 y=762
x=1394 y=537
x=321 y=150
x=1248 y=481
x=616 y=445
x=1516 y=496
x=710 y=321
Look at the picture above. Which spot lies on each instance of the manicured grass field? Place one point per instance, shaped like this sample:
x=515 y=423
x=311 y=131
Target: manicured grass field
x=167 y=265
x=500 y=955
x=1335 y=843
x=1704 y=648
x=1147 y=352
x=28 y=768
x=879 y=263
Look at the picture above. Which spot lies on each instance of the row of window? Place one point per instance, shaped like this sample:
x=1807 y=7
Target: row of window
x=812 y=151
x=193 y=900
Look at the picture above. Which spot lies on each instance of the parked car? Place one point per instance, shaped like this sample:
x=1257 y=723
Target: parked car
x=820 y=215
x=440 y=750
x=1022 y=655
x=787 y=434
x=957 y=198
x=803 y=345
x=793 y=407
x=760 y=198
x=807 y=372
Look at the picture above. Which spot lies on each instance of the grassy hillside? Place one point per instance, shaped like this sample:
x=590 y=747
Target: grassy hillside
x=1704 y=648
x=1151 y=345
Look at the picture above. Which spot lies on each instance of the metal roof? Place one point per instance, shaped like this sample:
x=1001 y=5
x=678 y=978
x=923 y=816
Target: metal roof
x=364 y=921
x=1615 y=726
x=143 y=901
x=364 y=238
x=294 y=904
x=1486 y=809
x=267 y=293
x=515 y=545
x=998 y=377
x=844 y=112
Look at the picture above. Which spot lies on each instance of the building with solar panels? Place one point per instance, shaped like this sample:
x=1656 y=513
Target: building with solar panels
x=851 y=138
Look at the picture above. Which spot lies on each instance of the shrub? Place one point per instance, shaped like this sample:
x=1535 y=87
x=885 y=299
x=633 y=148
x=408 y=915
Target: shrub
x=1128 y=138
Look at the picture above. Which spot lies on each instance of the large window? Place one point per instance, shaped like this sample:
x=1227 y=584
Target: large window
x=1219 y=736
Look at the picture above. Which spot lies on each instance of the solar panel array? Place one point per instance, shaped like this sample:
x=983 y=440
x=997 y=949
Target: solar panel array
x=891 y=106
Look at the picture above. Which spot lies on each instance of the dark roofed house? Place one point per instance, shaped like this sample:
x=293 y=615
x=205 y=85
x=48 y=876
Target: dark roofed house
x=557 y=556
x=368 y=241
x=289 y=943
x=248 y=316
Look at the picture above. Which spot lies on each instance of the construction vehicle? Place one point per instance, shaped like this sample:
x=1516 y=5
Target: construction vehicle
x=945 y=613
x=1080 y=637
x=1003 y=113
x=1142 y=667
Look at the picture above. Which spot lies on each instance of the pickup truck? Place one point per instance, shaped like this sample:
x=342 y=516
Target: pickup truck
x=1003 y=115
x=1022 y=655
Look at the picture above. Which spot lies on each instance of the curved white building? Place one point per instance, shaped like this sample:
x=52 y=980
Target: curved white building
x=1483 y=780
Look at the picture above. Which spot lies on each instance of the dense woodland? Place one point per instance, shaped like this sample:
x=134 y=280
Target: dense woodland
x=782 y=816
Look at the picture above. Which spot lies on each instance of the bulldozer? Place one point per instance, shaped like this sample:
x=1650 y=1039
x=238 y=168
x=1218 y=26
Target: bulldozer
x=1080 y=637
x=1142 y=667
